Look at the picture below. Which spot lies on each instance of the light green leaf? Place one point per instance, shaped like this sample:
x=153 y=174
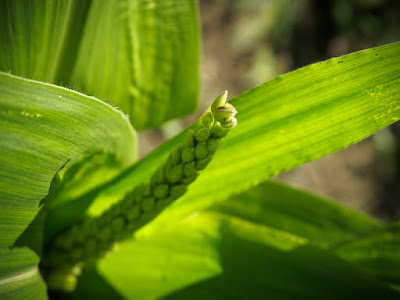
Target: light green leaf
x=142 y=56
x=39 y=39
x=288 y=121
x=377 y=253
x=42 y=128
x=217 y=256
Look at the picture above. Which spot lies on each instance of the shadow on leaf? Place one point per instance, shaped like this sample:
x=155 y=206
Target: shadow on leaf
x=257 y=271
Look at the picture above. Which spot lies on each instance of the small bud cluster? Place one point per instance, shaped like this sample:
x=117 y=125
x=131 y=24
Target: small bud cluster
x=88 y=240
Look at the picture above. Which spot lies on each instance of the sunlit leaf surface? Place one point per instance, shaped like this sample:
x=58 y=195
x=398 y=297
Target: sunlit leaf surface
x=288 y=121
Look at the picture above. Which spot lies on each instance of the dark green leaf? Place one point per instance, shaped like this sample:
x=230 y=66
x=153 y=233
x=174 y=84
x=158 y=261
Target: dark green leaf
x=217 y=256
x=378 y=253
x=320 y=221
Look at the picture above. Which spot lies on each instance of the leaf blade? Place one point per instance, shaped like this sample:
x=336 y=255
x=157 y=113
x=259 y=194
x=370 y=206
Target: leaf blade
x=377 y=253
x=42 y=127
x=321 y=222
x=40 y=39
x=217 y=256
x=282 y=124
x=143 y=57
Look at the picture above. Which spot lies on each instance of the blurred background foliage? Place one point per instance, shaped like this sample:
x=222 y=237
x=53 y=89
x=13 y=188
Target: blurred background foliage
x=248 y=42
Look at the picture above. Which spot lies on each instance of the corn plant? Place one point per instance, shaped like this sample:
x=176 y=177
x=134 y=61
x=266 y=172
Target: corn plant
x=82 y=218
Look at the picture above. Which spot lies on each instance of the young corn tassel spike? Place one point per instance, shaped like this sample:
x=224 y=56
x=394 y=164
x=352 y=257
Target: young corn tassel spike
x=86 y=241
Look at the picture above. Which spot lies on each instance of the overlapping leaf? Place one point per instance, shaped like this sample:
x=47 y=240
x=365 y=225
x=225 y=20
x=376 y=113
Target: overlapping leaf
x=142 y=56
x=43 y=127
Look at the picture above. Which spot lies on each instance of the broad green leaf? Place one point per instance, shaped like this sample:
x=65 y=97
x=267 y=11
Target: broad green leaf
x=217 y=256
x=288 y=121
x=142 y=56
x=378 y=253
x=42 y=128
x=320 y=221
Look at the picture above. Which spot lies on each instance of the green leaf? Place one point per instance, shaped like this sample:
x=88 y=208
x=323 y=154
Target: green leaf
x=259 y=244
x=320 y=221
x=39 y=39
x=217 y=256
x=27 y=284
x=42 y=128
x=377 y=253
x=143 y=57
x=288 y=121
x=138 y=55
x=78 y=188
